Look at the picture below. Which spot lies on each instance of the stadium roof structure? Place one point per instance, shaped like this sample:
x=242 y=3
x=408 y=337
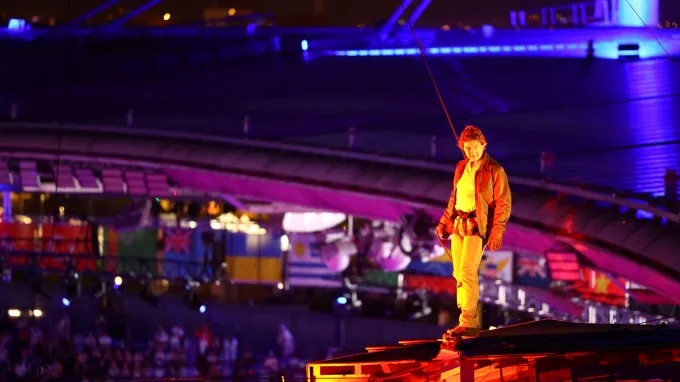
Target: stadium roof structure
x=592 y=224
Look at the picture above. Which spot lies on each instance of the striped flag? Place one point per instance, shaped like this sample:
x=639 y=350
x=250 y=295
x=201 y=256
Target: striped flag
x=305 y=267
x=439 y=266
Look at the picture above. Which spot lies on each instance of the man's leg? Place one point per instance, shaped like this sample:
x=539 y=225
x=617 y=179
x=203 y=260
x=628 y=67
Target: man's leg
x=456 y=251
x=470 y=258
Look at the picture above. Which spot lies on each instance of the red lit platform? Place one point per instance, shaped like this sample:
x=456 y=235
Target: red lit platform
x=546 y=350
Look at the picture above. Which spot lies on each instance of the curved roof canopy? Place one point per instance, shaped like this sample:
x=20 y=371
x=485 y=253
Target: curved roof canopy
x=365 y=185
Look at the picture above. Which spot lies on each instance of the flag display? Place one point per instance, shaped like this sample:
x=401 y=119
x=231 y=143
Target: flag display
x=208 y=250
x=17 y=237
x=564 y=266
x=66 y=239
x=137 y=249
x=380 y=278
x=254 y=259
x=305 y=267
x=171 y=252
x=109 y=263
x=433 y=284
x=179 y=257
x=497 y=265
x=439 y=266
x=602 y=287
x=531 y=270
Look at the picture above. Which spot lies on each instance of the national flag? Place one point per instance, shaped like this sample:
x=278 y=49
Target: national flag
x=137 y=248
x=497 y=265
x=600 y=286
x=179 y=259
x=380 y=278
x=15 y=238
x=563 y=266
x=532 y=270
x=178 y=240
x=305 y=266
x=531 y=267
x=438 y=265
x=434 y=268
x=66 y=239
x=254 y=259
x=109 y=260
x=432 y=284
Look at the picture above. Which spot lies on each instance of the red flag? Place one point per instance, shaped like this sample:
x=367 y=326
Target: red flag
x=66 y=239
x=16 y=237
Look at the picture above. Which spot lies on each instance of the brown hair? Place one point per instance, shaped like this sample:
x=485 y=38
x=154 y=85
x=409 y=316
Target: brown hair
x=471 y=133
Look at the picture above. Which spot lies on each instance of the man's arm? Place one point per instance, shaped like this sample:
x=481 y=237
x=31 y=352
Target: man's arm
x=448 y=211
x=503 y=201
x=446 y=222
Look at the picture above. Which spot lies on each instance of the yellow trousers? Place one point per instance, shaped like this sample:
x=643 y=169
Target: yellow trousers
x=466 y=253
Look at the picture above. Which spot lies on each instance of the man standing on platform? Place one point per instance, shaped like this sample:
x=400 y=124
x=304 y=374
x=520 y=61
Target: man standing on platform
x=475 y=217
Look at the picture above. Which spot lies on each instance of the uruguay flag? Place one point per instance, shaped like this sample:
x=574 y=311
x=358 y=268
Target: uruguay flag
x=305 y=267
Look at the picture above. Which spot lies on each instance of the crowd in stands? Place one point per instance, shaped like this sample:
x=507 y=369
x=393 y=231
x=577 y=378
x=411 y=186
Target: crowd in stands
x=38 y=349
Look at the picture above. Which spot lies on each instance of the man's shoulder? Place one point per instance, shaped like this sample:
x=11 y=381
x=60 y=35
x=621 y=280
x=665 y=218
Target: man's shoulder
x=495 y=166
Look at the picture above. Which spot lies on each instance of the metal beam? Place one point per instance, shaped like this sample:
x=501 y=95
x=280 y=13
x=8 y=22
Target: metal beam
x=637 y=203
x=129 y=16
x=422 y=7
x=234 y=202
x=392 y=21
x=92 y=13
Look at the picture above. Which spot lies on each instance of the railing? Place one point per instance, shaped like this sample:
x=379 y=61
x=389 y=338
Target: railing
x=104 y=267
x=575 y=14
x=648 y=204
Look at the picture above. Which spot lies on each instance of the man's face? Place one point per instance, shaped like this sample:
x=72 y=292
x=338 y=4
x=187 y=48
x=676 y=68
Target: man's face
x=473 y=150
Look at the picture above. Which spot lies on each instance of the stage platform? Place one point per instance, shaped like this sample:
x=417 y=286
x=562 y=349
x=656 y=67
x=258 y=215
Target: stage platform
x=546 y=350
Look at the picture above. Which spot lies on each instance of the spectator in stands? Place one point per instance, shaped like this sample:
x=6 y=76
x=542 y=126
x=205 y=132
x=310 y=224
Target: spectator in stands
x=229 y=353
x=161 y=335
x=271 y=364
x=475 y=217
x=203 y=335
x=245 y=363
x=286 y=344
x=26 y=353
x=176 y=337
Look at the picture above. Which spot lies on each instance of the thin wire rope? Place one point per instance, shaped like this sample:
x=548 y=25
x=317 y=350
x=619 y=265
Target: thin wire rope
x=654 y=36
x=435 y=85
x=440 y=97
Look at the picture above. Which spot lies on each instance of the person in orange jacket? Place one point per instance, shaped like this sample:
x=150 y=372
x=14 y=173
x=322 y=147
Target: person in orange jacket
x=478 y=210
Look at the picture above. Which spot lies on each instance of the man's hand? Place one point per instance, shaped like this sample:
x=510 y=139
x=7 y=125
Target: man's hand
x=495 y=241
x=442 y=232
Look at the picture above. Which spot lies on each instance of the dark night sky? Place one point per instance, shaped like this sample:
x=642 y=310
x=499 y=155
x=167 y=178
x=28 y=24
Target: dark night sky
x=338 y=12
